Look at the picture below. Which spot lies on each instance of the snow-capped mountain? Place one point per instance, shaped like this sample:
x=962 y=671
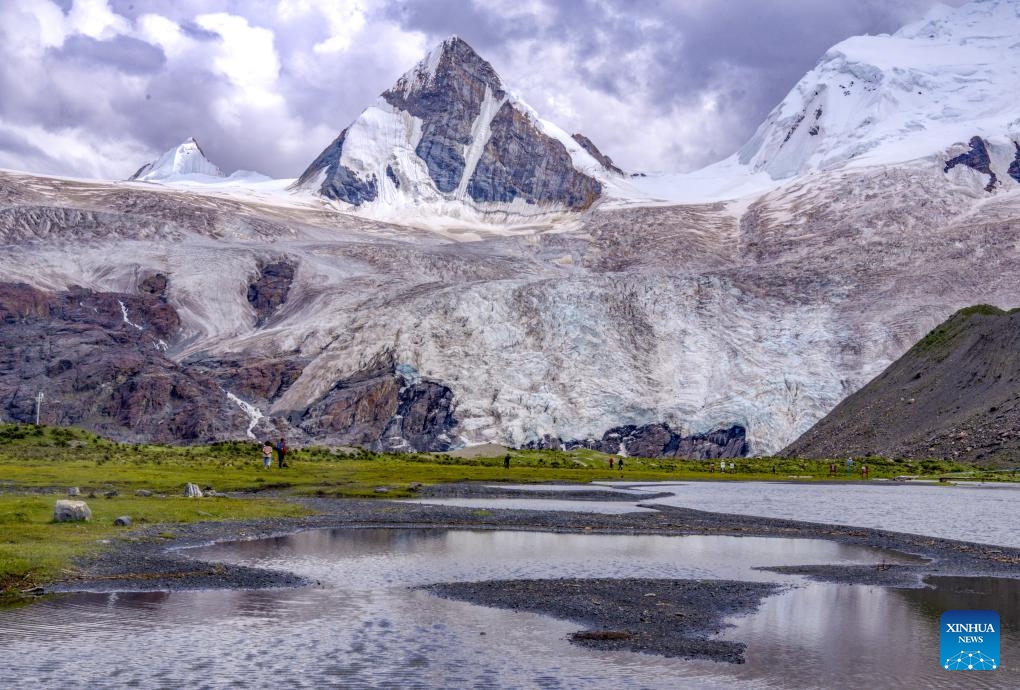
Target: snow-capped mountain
x=449 y=135
x=880 y=100
x=732 y=320
x=183 y=160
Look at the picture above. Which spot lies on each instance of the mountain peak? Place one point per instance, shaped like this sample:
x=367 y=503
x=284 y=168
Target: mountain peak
x=187 y=158
x=893 y=98
x=451 y=64
x=449 y=131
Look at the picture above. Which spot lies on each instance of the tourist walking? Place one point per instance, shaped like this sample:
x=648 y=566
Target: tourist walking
x=267 y=455
x=611 y=459
x=619 y=464
x=281 y=452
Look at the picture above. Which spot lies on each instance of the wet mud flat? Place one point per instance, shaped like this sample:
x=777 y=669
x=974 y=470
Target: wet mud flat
x=673 y=618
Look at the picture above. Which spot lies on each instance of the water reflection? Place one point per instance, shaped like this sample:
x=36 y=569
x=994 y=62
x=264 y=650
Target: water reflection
x=364 y=626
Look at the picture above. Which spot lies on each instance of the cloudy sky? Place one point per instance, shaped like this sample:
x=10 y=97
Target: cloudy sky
x=95 y=88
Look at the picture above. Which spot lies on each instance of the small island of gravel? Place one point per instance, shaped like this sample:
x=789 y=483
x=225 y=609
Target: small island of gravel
x=667 y=617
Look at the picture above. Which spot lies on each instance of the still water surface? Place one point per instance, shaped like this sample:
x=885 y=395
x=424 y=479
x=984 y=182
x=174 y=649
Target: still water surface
x=362 y=626
x=985 y=514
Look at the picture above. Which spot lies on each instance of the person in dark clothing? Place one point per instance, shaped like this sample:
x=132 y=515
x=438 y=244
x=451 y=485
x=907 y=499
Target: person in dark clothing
x=619 y=463
x=506 y=461
x=281 y=452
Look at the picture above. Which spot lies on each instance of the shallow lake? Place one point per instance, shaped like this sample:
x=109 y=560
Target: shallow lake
x=362 y=626
x=987 y=514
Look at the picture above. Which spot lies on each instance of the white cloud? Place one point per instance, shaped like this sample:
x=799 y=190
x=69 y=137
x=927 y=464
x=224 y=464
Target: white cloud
x=246 y=57
x=346 y=20
x=78 y=150
x=95 y=19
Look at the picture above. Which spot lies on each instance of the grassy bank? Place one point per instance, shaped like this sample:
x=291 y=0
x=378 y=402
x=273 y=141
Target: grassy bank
x=38 y=464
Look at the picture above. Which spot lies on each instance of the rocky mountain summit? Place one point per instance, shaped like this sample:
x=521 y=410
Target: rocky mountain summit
x=448 y=130
x=955 y=394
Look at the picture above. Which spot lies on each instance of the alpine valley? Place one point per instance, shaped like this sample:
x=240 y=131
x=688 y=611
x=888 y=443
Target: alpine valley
x=453 y=269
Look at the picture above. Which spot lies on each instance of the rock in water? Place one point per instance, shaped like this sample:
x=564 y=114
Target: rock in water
x=143 y=493
x=74 y=491
x=71 y=511
x=192 y=491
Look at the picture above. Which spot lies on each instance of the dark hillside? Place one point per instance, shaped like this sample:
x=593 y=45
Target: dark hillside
x=955 y=394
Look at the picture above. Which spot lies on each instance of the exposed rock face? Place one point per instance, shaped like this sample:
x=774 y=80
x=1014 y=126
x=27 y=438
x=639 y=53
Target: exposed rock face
x=384 y=408
x=659 y=441
x=155 y=285
x=269 y=290
x=520 y=162
x=338 y=181
x=471 y=141
x=71 y=511
x=1014 y=166
x=424 y=419
x=447 y=98
x=99 y=358
x=976 y=158
x=589 y=146
x=252 y=378
x=955 y=394
x=357 y=409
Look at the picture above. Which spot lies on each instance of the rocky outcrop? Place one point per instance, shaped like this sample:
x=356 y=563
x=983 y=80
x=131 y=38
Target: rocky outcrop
x=424 y=419
x=589 y=146
x=270 y=288
x=192 y=491
x=155 y=285
x=357 y=409
x=100 y=360
x=520 y=162
x=1014 y=166
x=385 y=408
x=954 y=395
x=659 y=441
x=976 y=158
x=253 y=378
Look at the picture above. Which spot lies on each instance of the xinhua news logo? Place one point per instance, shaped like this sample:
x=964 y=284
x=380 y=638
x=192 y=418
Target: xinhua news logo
x=969 y=640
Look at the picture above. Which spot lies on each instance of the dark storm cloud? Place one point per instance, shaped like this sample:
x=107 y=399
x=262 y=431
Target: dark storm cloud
x=138 y=77
x=123 y=53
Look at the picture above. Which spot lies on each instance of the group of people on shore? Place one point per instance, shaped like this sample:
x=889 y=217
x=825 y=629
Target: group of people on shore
x=281 y=453
x=834 y=469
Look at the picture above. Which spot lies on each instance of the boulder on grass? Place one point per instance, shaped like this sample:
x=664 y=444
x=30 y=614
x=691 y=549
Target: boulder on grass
x=192 y=491
x=143 y=492
x=71 y=511
x=123 y=521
